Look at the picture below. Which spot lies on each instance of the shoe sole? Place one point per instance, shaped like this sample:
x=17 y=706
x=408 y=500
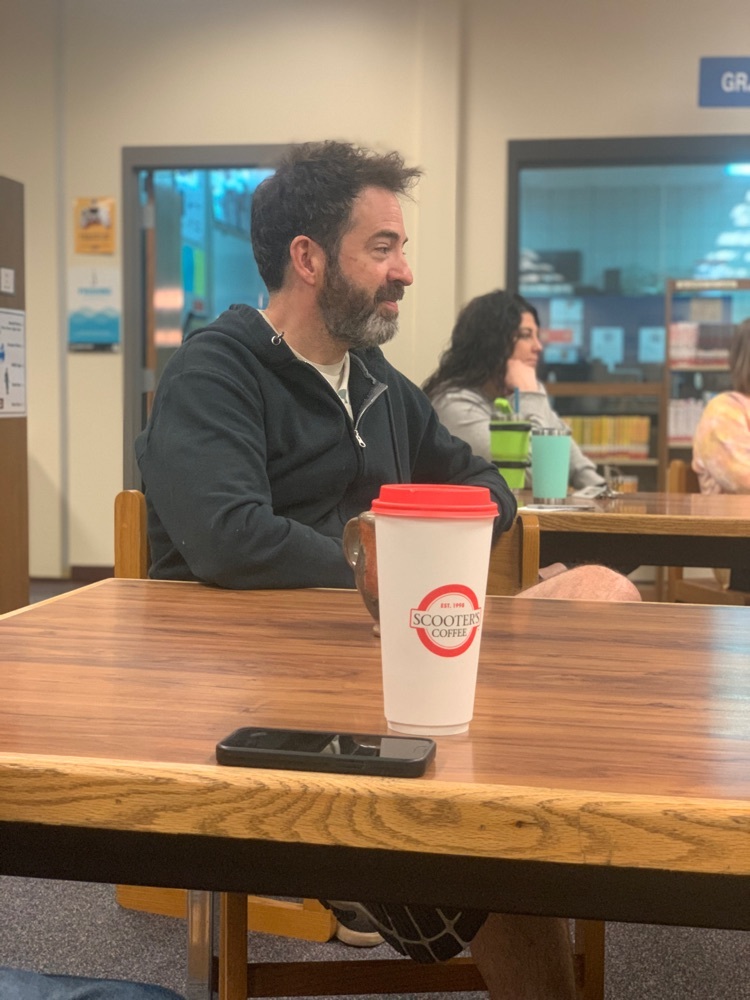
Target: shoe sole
x=358 y=939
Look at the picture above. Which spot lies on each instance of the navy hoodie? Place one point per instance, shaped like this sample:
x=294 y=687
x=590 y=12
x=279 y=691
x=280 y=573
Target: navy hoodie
x=252 y=466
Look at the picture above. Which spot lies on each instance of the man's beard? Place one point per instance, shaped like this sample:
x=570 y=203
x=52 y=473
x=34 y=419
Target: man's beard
x=351 y=314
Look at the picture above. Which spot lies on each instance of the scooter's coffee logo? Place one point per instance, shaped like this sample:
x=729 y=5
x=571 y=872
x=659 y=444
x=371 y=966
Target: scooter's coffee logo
x=447 y=619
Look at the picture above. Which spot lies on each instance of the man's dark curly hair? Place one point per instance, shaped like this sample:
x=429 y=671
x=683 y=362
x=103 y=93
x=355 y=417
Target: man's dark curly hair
x=483 y=339
x=312 y=193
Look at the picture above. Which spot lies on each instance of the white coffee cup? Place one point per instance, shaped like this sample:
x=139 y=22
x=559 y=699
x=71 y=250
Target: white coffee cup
x=433 y=548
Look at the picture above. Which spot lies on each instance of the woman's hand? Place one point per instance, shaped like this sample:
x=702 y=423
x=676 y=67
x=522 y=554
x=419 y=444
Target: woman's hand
x=520 y=375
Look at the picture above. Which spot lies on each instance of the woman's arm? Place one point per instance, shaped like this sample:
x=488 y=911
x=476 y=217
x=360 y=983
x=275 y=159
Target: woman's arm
x=467 y=415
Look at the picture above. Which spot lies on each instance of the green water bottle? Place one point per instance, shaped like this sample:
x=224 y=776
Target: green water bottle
x=509 y=444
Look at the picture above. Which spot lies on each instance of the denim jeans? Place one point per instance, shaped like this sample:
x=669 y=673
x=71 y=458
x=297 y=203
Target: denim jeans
x=16 y=984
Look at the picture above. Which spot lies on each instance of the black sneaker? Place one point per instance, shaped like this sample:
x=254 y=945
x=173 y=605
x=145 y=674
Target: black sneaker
x=353 y=926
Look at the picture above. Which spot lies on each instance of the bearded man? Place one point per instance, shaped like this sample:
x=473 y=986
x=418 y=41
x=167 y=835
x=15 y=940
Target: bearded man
x=270 y=429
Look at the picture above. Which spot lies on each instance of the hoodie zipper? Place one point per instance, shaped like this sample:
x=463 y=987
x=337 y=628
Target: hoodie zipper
x=377 y=390
x=375 y=393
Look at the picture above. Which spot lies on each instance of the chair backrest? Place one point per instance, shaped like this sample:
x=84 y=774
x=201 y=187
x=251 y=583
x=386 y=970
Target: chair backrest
x=131 y=537
x=681 y=478
x=714 y=590
x=514 y=563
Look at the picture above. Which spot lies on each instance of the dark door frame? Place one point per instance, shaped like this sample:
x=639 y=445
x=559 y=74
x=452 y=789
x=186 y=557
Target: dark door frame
x=137 y=378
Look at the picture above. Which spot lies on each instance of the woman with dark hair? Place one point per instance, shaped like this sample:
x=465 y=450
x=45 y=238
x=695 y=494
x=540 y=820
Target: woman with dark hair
x=494 y=351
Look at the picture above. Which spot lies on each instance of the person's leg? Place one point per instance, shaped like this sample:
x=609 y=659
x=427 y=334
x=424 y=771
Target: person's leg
x=353 y=924
x=554 y=569
x=585 y=583
x=20 y=984
x=519 y=957
x=525 y=958
x=424 y=933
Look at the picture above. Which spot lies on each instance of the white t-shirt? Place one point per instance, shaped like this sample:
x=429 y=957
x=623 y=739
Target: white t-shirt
x=337 y=375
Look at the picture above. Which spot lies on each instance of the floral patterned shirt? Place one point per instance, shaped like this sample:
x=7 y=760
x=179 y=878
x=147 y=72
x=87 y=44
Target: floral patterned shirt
x=721 y=446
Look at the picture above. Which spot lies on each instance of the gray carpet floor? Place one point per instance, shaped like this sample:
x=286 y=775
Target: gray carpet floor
x=78 y=928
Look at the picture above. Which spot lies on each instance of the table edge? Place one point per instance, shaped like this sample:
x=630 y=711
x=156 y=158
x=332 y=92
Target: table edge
x=419 y=815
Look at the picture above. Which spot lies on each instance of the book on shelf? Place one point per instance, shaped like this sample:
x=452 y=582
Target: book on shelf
x=612 y=438
x=682 y=421
x=704 y=345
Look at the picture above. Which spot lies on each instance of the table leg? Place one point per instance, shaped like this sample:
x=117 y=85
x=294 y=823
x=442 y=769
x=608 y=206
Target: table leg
x=589 y=941
x=200 y=944
x=233 y=946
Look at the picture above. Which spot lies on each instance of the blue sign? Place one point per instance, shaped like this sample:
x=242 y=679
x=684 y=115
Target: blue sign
x=725 y=82
x=93 y=308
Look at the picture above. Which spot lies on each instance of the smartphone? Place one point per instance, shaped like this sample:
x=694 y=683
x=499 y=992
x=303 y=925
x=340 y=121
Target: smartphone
x=591 y=492
x=310 y=750
x=555 y=507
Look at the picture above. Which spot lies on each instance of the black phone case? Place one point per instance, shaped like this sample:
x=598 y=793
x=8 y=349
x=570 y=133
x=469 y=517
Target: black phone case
x=294 y=760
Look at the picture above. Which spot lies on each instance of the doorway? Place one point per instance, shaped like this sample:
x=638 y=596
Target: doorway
x=186 y=257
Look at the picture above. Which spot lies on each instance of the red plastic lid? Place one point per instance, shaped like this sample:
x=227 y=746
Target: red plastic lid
x=425 y=500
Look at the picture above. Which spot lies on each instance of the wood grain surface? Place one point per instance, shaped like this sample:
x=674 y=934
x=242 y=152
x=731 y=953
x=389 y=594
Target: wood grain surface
x=649 y=529
x=718 y=515
x=421 y=816
x=604 y=734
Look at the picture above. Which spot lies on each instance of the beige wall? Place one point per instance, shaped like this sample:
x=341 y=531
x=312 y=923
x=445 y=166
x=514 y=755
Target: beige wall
x=446 y=83
x=580 y=69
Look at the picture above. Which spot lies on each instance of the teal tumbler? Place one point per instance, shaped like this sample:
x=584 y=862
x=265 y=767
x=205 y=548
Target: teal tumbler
x=550 y=464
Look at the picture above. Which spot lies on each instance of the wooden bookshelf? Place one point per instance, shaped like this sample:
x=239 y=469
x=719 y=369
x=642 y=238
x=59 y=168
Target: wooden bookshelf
x=653 y=457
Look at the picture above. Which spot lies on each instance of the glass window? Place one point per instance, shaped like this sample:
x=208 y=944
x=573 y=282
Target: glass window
x=594 y=244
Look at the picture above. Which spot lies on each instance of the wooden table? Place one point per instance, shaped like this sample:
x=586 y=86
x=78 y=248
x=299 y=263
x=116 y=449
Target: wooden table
x=650 y=529
x=606 y=773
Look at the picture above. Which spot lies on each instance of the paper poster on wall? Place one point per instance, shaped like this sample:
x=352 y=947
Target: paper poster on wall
x=608 y=345
x=564 y=312
x=652 y=342
x=94 y=225
x=12 y=363
x=567 y=314
x=94 y=308
x=561 y=346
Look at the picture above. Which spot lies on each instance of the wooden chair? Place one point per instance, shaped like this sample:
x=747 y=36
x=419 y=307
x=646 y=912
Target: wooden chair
x=309 y=919
x=514 y=563
x=699 y=590
x=514 y=566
